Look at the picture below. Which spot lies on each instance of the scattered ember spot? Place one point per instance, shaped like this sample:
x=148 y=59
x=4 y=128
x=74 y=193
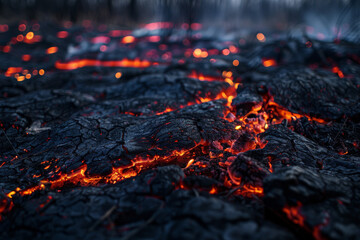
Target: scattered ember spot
x=7 y=49
x=30 y=35
x=191 y=161
x=343 y=152
x=338 y=72
x=203 y=77
x=225 y=51
x=20 y=38
x=20 y=78
x=26 y=57
x=269 y=62
x=118 y=75
x=261 y=37
x=51 y=50
x=103 y=48
x=62 y=34
x=22 y=27
x=213 y=190
x=48 y=200
x=128 y=39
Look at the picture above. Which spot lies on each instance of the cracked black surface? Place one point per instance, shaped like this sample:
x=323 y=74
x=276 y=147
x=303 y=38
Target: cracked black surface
x=72 y=118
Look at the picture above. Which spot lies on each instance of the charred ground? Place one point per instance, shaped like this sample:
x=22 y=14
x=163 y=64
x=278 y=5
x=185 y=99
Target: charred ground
x=155 y=138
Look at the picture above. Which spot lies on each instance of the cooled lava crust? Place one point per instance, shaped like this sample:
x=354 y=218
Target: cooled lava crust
x=155 y=134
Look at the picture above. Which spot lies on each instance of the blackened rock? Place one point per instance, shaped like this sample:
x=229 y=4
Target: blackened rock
x=247 y=170
x=251 y=230
x=286 y=147
x=245 y=142
x=201 y=183
x=316 y=93
x=246 y=99
x=164 y=180
x=324 y=202
x=293 y=184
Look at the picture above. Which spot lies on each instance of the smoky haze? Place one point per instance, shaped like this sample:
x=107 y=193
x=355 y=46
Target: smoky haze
x=329 y=18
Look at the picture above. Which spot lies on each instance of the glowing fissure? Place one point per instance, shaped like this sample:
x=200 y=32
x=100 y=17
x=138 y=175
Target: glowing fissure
x=79 y=176
x=253 y=126
x=293 y=213
x=81 y=63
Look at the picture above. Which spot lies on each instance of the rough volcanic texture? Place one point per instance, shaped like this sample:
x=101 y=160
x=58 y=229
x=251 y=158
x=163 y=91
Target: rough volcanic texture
x=146 y=140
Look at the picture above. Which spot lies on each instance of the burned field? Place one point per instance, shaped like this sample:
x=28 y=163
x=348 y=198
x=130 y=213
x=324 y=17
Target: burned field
x=114 y=134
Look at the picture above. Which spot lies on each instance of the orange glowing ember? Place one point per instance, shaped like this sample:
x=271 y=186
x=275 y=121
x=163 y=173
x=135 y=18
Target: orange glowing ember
x=62 y=34
x=76 y=64
x=30 y=35
x=338 y=72
x=191 y=161
x=165 y=111
x=233 y=49
x=33 y=39
x=12 y=70
x=51 y=50
x=128 y=39
x=118 y=75
x=213 y=190
x=20 y=78
x=198 y=53
x=20 y=38
x=269 y=62
x=285 y=114
x=226 y=52
x=203 y=77
x=261 y=37
x=26 y=57
x=270 y=167
x=253 y=189
x=293 y=213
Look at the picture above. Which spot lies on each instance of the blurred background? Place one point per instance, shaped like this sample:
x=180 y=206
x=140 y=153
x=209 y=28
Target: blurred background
x=325 y=19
